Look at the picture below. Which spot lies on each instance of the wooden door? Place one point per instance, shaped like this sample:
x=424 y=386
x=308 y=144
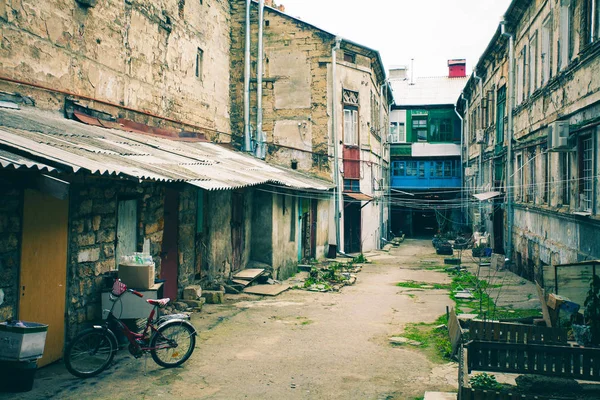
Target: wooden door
x=169 y=266
x=126 y=228
x=43 y=277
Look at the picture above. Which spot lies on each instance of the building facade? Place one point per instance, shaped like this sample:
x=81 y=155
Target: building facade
x=426 y=173
x=531 y=112
x=299 y=118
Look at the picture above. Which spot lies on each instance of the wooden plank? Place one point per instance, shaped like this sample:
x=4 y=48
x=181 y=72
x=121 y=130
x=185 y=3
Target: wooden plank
x=542 y=297
x=241 y=282
x=249 y=274
x=266 y=290
x=455 y=331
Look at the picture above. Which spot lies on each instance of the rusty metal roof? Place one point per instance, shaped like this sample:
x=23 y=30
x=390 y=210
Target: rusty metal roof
x=75 y=147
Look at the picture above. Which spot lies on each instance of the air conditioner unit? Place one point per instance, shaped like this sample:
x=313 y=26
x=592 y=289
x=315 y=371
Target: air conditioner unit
x=558 y=135
x=479 y=135
x=470 y=171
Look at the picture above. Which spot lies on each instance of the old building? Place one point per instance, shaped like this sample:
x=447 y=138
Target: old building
x=305 y=102
x=106 y=117
x=425 y=135
x=531 y=133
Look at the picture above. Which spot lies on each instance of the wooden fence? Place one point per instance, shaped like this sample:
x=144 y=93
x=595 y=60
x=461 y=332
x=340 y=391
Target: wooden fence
x=478 y=394
x=507 y=332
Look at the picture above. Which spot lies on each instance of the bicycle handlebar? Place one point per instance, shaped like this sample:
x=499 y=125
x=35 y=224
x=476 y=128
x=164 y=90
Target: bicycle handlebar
x=138 y=294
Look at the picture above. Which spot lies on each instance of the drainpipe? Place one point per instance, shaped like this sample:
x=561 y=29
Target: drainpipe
x=468 y=160
x=336 y=168
x=381 y=132
x=509 y=165
x=247 y=141
x=480 y=172
x=462 y=175
x=260 y=135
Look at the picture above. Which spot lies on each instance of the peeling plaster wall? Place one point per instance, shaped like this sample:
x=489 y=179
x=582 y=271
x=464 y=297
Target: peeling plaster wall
x=134 y=53
x=285 y=237
x=545 y=228
x=11 y=210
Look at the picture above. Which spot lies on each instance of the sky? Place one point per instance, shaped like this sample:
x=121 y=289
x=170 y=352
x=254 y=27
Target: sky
x=429 y=31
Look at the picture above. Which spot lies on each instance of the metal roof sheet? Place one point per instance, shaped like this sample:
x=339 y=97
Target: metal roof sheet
x=70 y=145
x=435 y=149
x=11 y=160
x=486 y=195
x=440 y=90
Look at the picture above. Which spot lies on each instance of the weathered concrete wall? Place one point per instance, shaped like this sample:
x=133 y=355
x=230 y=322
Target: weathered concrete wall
x=546 y=231
x=92 y=239
x=217 y=265
x=11 y=210
x=137 y=54
x=285 y=235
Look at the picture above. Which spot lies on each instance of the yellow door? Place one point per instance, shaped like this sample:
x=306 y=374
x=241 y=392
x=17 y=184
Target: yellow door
x=44 y=268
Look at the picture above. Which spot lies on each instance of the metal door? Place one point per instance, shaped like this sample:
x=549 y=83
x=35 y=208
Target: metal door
x=43 y=277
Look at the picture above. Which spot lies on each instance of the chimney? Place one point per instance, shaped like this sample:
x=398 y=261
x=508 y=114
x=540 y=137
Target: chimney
x=457 y=68
x=398 y=73
x=281 y=8
x=269 y=3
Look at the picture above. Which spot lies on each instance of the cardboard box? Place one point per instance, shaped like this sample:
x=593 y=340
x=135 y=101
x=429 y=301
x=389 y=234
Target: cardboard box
x=137 y=276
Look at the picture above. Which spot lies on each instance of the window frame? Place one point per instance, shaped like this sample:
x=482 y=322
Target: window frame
x=351 y=138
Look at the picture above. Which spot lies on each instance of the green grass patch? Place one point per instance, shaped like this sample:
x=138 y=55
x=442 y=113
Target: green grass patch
x=435 y=343
x=423 y=285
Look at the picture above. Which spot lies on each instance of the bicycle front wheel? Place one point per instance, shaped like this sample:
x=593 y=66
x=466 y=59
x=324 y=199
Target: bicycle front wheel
x=173 y=344
x=90 y=353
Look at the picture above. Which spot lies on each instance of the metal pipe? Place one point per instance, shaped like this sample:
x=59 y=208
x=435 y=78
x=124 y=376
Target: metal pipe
x=381 y=132
x=462 y=175
x=468 y=161
x=510 y=134
x=260 y=153
x=336 y=167
x=479 y=172
x=247 y=141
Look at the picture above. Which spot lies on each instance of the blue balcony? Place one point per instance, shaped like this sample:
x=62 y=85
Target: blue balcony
x=426 y=174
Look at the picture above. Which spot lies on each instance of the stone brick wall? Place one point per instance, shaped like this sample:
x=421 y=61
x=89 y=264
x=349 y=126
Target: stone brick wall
x=92 y=239
x=295 y=88
x=10 y=247
x=188 y=202
x=139 y=54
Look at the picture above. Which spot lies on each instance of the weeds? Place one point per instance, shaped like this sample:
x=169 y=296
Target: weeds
x=434 y=341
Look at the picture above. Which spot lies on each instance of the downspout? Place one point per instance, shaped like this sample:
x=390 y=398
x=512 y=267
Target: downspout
x=381 y=132
x=468 y=160
x=479 y=171
x=247 y=141
x=462 y=175
x=509 y=165
x=336 y=167
x=260 y=136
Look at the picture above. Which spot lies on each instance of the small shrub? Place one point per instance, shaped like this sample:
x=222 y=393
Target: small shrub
x=484 y=381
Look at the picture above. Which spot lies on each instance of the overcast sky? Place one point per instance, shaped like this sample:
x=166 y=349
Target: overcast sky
x=430 y=31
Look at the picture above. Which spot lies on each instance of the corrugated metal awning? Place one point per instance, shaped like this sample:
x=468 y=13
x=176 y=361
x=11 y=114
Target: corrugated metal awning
x=359 y=196
x=71 y=146
x=11 y=160
x=486 y=195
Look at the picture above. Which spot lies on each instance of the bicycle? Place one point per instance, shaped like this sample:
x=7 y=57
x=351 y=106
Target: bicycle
x=170 y=339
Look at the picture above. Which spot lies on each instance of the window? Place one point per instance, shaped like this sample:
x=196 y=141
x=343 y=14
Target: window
x=531 y=184
x=586 y=174
x=411 y=168
x=375 y=113
x=350 y=57
x=397 y=133
x=519 y=174
x=533 y=61
x=501 y=105
x=564 y=34
x=350 y=126
x=421 y=169
x=546 y=49
x=521 y=71
x=199 y=61
x=564 y=178
x=592 y=19
x=352 y=185
x=398 y=168
x=546 y=171
x=419 y=126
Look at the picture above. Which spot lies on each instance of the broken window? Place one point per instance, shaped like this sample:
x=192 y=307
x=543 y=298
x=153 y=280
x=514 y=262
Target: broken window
x=350 y=57
x=546 y=172
x=533 y=61
x=500 y=112
x=564 y=178
x=531 y=183
x=519 y=173
x=397 y=133
x=565 y=33
x=419 y=126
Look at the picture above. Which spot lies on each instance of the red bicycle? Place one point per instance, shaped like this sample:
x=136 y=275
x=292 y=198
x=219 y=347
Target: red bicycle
x=170 y=339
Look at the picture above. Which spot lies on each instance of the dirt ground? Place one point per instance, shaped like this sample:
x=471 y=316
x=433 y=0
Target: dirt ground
x=298 y=345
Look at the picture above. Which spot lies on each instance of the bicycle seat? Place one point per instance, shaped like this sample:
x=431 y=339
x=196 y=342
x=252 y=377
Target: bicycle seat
x=160 y=302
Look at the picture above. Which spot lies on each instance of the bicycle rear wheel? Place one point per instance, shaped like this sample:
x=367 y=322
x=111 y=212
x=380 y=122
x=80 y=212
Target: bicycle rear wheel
x=90 y=353
x=173 y=344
